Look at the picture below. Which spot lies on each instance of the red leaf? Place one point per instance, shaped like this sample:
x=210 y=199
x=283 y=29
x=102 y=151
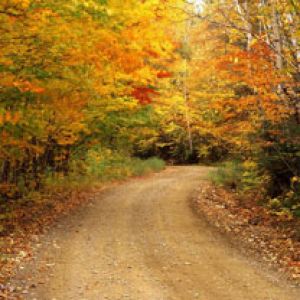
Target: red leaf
x=143 y=94
x=164 y=74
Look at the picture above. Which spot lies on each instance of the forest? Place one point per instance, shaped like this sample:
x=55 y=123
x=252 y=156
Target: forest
x=210 y=82
x=99 y=90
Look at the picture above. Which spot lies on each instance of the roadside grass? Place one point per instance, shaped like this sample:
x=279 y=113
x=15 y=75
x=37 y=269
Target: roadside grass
x=99 y=171
x=226 y=174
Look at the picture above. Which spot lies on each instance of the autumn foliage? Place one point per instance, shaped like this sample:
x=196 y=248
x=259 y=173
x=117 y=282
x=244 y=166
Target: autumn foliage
x=244 y=90
x=73 y=75
x=148 y=78
x=144 y=94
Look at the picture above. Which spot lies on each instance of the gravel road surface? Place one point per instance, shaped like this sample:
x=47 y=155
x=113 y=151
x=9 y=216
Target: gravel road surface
x=140 y=240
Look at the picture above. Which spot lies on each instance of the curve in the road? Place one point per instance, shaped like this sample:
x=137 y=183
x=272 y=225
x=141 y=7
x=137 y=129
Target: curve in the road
x=141 y=241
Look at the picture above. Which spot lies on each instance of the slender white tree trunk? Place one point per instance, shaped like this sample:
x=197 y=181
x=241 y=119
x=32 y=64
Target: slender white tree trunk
x=186 y=90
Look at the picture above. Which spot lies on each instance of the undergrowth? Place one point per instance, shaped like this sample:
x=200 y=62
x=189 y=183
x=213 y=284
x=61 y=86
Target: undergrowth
x=246 y=178
x=105 y=166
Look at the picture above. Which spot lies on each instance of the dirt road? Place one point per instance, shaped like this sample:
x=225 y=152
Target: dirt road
x=141 y=241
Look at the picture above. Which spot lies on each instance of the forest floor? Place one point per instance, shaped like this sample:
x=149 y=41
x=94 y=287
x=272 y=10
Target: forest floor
x=141 y=240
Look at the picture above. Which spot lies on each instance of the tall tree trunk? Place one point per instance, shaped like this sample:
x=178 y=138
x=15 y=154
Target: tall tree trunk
x=186 y=90
x=5 y=171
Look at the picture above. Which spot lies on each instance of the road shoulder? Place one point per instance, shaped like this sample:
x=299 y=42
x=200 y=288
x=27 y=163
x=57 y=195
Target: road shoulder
x=253 y=230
